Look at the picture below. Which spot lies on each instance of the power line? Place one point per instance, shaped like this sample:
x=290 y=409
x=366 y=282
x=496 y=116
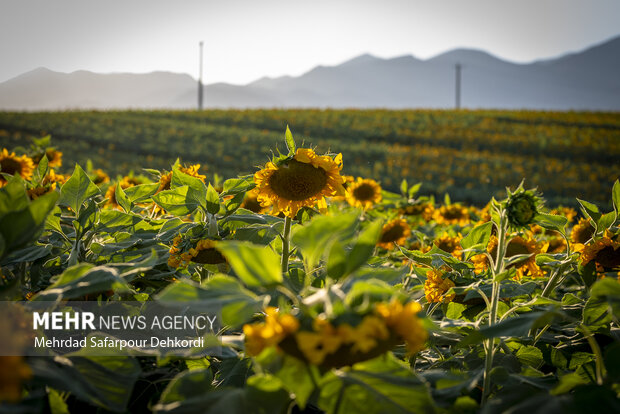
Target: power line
x=200 y=88
x=457 y=102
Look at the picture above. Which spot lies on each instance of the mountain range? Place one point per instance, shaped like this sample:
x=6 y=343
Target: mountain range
x=586 y=80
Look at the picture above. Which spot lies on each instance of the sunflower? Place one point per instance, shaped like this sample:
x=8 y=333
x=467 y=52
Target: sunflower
x=556 y=245
x=276 y=327
x=436 y=286
x=166 y=178
x=403 y=319
x=394 y=232
x=516 y=246
x=452 y=214
x=110 y=194
x=568 y=212
x=302 y=181
x=11 y=164
x=582 y=231
x=450 y=244
x=48 y=184
x=250 y=202
x=364 y=193
x=604 y=252
x=99 y=176
x=424 y=210
x=203 y=252
x=54 y=157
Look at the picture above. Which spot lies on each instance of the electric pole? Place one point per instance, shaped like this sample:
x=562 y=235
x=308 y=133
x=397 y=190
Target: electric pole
x=457 y=85
x=200 y=91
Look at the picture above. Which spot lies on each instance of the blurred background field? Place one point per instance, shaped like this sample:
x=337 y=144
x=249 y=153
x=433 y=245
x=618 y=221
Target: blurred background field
x=469 y=154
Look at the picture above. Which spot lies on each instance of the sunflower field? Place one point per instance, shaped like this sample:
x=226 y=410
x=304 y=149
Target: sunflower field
x=470 y=154
x=337 y=293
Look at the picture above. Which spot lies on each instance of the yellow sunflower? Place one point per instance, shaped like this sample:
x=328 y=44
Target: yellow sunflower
x=166 y=178
x=452 y=214
x=250 y=202
x=568 y=212
x=450 y=244
x=303 y=181
x=11 y=164
x=403 y=319
x=276 y=327
x=436 y=286
x=394 y=232
x=424 y=210
x=99 y=176
x=604 y=252
x=582 y=231
x=364 y=193
x=110 y=194
x=516 y=246
x=48 y=184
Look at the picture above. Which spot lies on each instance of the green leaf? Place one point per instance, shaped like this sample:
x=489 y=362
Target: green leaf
x=42 y=168
x=121 y=198
x=313 y=238
x=212 y=200
x=590 y=210
x=403 y=187
x=197 y=190
x=19 y=228
x=178 y=201
x=551 y=221
x=83 y=279
x=186 y=384
x=605 y=222
x=238 y=185
x=57 y=404
x=337 y=261
x=104 y=381
x=414 y=189
x=77 y=189
x=364 y=246
x=13 y=196
x=381 y=385
x=295 y=376
x=141 y=193
x=478 y=237
x=290 y=142
x=615 y=195
x=455 y=310
x=604 y=302
x=262 y=394
x=256 y=266
x=220 y=292
x=530 y=355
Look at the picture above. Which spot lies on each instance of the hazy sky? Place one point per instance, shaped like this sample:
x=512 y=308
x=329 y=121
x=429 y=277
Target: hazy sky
x=247 y=39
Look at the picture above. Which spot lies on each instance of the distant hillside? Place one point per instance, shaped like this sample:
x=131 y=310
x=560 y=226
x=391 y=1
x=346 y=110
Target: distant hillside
x=587 y=80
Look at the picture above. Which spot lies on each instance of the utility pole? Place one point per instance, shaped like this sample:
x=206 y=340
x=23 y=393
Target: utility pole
x=457 y=85
x=200 y=91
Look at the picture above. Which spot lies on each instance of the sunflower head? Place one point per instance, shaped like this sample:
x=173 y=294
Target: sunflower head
x=582 y=231
x=394 y=232
x=11 y=164
x=522 y=207
x=604 y=252
x=303 y=180
x=450 y=244
x=452 y=214
x=250 y=202
x=436 y=286
x=364 y=193
x=100 y=177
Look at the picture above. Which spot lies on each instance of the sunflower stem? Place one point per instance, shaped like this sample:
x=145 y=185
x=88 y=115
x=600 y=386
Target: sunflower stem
x=496 y=270
x=285 y=244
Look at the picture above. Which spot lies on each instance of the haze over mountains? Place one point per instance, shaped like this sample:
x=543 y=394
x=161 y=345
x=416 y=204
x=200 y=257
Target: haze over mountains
x=587 y=80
